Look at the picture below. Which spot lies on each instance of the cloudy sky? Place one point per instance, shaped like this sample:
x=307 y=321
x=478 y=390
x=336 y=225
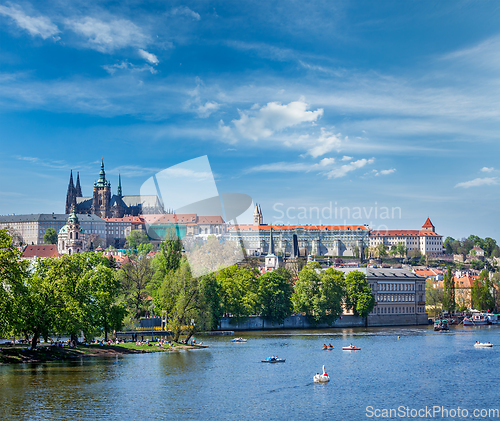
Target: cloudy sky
x=366 y=106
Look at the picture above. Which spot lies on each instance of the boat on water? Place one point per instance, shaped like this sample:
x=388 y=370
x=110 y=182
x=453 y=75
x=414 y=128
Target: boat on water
x=329 y=346
x=273 y=359
x=476 y=320
x=238 y=340
x=483 y=345
x=321 y=378
x=441 y=324
x=350 y=348
x=493 y=319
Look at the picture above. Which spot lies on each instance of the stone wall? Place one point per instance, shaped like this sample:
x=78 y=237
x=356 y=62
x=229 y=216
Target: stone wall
x=398 y=319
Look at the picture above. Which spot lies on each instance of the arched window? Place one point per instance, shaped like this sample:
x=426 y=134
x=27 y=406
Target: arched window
x=69 y=251
x=76 y=235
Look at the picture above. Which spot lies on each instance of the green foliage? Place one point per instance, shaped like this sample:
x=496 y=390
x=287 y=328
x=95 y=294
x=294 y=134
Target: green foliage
x=239 y=291
x=449 y=303
x=482 y=293
x=434 y=298
x=50 y=236
x=476 y=264
x=359 y=297
x=319 y=296
x=274 y=295
x=136 y=238
x=381 y=250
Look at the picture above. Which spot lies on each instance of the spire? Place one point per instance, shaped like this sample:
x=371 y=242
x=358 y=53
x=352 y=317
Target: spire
x=78 y=188
x=71 y=185
x=119 y=185
x=73 y=219
x=102 y=177
x=70 y=195
x=271 y=244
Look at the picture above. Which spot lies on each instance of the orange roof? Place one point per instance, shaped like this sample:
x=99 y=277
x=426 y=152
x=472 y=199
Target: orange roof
x=170 y=218
x=428 y=224
x=404 y=233
x=46 y=250
x=426 y=272
x=278 y=228
x=210 y=220
x=464 y=281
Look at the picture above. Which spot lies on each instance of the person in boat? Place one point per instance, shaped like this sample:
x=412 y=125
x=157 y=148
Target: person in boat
x=352 y=346
x=330 y=346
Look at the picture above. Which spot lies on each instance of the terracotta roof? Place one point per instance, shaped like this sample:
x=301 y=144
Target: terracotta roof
x=278 y=228
x=46 y=250
x=170 y=218
x=130 y=219
x=428 y=224
x=403 y=233
x=427 y=272
x=210 y=220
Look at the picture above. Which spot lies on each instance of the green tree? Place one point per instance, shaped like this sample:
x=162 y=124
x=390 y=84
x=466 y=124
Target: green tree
x=50 y=236
x=135 y=238
x=476 y=264
x=239 y=291
x=401 y=250
x=274 y=295
x=434 y=298
x=449 y=303
x=359 y=296
x=481 y=292
x=135 y=277
x=448 y=245
x=319 y=296
x=381 y=250
x=211 y=293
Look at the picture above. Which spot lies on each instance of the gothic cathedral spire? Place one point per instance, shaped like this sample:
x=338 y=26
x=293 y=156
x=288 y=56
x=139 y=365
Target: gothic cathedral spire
x=70 y=195
x=119 y=186
x=78 y=187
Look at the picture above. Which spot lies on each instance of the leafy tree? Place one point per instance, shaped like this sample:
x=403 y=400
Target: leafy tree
x=495 y=281
x=239 y=291
x=12 y=273
x=50 y=236
x=401 y=250
x=481 y=292
x=136 y=238
x=448 y=245
x=449 y=303
x=476 y=264
x=313 y=265
x=359 y=296
x=319 y=296
x=381 y=250
x=211 y=293
x=274 y=295
x=135 y=277
x=434 y=298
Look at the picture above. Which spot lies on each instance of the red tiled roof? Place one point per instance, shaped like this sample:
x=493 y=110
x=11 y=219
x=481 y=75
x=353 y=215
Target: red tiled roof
x=170 y=218
x=404 y=233
x=46 y=250
x=278 y=228
x=428 y=224
x=210 y=220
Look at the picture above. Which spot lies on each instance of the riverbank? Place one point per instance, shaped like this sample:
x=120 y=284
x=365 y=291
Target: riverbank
x=11 y=354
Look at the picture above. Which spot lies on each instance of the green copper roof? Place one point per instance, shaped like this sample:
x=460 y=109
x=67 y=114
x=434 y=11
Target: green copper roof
x=73 y=219
x=102 y=178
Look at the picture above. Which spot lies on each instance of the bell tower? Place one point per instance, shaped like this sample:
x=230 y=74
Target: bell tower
x=101 y=200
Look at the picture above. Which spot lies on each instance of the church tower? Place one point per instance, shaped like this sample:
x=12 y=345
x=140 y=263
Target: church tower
x=101 y=200
x=78 y=189
x=70 y=195
x=71 y=237
x=257 y=216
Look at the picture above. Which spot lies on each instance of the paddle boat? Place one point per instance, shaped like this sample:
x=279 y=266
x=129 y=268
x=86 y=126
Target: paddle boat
x=441 y=325
x=238 y=340
x=329 y=346
x=350 y=348
x=483 y=345
x=273 y=359
x=321 y=378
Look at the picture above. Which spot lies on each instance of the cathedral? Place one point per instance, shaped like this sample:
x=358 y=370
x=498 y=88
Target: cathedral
x=106 y=205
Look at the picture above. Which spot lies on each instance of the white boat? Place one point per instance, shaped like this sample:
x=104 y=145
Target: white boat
x=321 y=378
x=476 y=320
x=493 y=319
x=483 y=345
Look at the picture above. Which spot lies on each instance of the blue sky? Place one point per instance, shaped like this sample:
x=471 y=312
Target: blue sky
x=360 y=104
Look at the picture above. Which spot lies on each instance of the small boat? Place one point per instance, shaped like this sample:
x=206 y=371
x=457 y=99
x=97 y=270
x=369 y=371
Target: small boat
x=238 y=340
x=329 y=346
x=483 y=345
x=441 y=324
x=476 y=320
x=350 y=348
x=273 y=360
x=321 y=378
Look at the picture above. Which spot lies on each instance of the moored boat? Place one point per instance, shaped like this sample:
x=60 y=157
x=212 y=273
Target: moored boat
x=350 y=348
x=483 y=345
x=273 y=359
x=238 y=340
x=476 y=320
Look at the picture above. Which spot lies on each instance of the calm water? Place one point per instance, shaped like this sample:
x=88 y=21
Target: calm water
x=227 y=381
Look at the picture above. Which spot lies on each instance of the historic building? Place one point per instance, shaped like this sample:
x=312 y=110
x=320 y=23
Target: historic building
x=300 y=240
x=71 y=237
x=107 y=205
x=426 y=240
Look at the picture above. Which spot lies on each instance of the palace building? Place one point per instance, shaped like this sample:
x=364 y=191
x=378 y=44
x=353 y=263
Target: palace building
x=107 y=205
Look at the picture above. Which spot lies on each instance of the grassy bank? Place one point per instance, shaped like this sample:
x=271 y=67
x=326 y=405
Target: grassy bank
x=22 y=354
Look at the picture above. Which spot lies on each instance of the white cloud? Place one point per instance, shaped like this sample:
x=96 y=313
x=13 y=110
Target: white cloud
x=112 y=68
x=387 y=172
x=37 y=26
x=325 y=143
x=196 y=103
x=148 y=56
x=346 y=158
x=207 y=109
x=326 y=161
x=486 y=169
x=344 y=169
x=487 y=181
x=108 y=36
x=257 y=124
x=185 y=11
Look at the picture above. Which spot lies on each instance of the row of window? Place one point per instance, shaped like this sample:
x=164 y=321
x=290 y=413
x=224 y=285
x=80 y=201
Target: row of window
x=394 y=297
x=399 y=310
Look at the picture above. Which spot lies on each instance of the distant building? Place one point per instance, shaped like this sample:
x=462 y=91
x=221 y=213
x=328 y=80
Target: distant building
x=71 y=237
x=40 y=251
x=104 y=204
x=426 y=240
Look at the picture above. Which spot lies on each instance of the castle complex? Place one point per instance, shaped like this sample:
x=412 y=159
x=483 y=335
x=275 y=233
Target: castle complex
x=104 y=204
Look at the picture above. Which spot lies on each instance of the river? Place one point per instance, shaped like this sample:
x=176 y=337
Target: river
x=227 y=381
